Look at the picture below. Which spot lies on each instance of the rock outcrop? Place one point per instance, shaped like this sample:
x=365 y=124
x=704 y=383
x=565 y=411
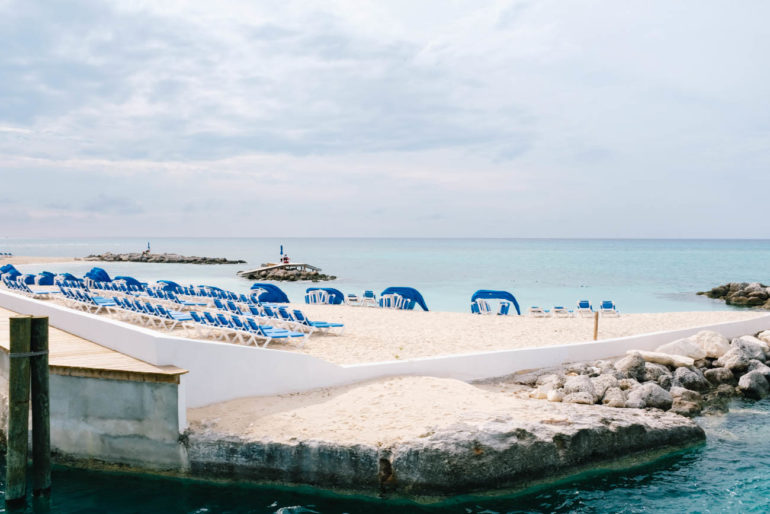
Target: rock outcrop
x=468 y=456
x=171 y=258
x=742 y=294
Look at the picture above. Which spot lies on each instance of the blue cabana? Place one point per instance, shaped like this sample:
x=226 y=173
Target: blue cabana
x=98 y=275
x=44 y=278
x=271 y=294
x=409 y=293
x=169 y=285
x=335 y=295
x=130 y=281
x=489 y=294
x=70 y=277
x=9 y=268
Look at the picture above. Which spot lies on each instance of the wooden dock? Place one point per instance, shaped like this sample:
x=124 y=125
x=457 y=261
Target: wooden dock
x=74 y=356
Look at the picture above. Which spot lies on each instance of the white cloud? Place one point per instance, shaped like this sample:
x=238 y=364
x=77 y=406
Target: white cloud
x=494 y=119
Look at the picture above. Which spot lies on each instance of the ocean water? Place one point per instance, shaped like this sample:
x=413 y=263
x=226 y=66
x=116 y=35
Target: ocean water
x=729 y=473
x=639 y=275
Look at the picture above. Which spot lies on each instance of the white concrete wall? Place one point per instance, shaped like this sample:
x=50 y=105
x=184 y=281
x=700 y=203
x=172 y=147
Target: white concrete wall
x=221 y=371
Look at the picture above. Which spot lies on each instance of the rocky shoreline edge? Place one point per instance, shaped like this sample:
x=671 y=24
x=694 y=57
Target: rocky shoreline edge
x=170 y=258
x=741 y=294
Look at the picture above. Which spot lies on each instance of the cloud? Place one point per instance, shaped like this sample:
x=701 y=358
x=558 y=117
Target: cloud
x=495 y=119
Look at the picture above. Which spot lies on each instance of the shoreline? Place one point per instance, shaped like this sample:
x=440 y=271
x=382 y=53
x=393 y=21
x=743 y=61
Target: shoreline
x=26 y=259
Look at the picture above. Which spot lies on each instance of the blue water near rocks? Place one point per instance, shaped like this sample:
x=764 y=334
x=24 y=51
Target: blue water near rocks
x=729 y=473
x=639 y=275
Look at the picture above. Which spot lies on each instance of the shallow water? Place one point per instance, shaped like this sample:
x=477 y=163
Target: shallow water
x=729 y=473
x=639 y=275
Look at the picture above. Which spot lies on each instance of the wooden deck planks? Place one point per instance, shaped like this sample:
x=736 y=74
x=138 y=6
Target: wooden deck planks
x=75 y=356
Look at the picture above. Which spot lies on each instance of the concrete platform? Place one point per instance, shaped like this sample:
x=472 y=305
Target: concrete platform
x=71 y=355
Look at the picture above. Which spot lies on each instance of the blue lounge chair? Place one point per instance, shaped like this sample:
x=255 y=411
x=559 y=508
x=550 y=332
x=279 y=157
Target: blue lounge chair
x=585 y=309
x=607 y=308
x=321 y=325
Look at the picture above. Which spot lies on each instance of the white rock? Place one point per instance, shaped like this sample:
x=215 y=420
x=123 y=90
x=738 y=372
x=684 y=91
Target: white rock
x=713 y=343
x=667 y=359
x=684 y=347
x=555 y=395
x=764 y=336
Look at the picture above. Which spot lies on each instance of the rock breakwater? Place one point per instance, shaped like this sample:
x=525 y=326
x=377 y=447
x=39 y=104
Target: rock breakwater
x=688 y=376
x=171 y=258
x=742 y=294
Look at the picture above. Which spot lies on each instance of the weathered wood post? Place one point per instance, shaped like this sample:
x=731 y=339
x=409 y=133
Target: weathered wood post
x=596 y=325
x=41 y=426
x=18 y=410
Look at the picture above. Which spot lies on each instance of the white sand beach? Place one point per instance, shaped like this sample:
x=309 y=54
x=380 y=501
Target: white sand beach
x=17 y=260
x=379 y=412
x=373 y=334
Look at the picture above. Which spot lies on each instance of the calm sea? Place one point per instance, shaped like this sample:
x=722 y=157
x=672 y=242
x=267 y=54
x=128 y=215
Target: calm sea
x=639 y=275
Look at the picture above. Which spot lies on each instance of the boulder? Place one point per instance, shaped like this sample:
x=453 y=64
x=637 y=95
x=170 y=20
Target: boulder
x=653 y=371
x=649 y=395
x=755 y=365
x=684 y=347
x=632 y=365
x=541 y=391
x=627 y=384
x=764 y=336
x=686 y=408
x=712 y=343
x=551 y=378
x=736 y=360
x=665 y=381
x=580 y=397
x=614 y=397
x=718 y=376
x=756 y=348
x=555 y=395
x=754 y=385
x=602 y=383
x=690 y=378
x=666 y=359
x=579 y=384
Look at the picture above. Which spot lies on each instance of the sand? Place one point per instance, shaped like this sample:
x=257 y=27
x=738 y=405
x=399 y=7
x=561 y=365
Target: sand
x=20 y=259
x=375 y=335
x=380 y=412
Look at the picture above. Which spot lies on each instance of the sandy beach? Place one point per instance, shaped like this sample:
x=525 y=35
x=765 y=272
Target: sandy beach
x=17 y=260
x=380 y=412
x=374 y=335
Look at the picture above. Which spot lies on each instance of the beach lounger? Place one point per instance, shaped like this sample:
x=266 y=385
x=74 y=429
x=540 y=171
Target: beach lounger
x=560 y=312
x=539 y=312
x=504 y=309
x=271 y=333
x=607 y=308
x=369 y=299
x=585 y=309
x=321 y=325
x=481 y=306
x=353 y=300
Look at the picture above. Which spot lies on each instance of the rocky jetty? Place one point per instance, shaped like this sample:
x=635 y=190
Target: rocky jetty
x=742 y=294
x=171 y=258
x=687 y=376
x=290 y=272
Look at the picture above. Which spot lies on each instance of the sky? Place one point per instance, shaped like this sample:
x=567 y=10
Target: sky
x=359 y=118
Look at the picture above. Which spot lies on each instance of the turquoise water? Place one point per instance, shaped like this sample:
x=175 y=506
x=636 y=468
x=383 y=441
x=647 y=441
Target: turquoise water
x=639 y=275
x=729 y=473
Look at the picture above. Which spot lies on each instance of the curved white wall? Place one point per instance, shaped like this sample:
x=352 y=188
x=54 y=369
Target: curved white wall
x=222 y=371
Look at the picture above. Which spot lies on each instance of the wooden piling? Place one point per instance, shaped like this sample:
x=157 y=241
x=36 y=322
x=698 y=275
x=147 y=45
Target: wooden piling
x=596 y=325
x=18 y=411
x=41 y=427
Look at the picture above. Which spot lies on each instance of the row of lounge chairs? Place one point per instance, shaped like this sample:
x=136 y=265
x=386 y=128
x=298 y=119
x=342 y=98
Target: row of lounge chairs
x=584 y=309
x=20 y=287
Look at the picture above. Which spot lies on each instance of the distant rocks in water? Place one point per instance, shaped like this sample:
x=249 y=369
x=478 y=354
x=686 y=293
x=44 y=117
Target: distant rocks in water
x=701 y=372
x=290 y=272
x=171 y=258
x=742 y=294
